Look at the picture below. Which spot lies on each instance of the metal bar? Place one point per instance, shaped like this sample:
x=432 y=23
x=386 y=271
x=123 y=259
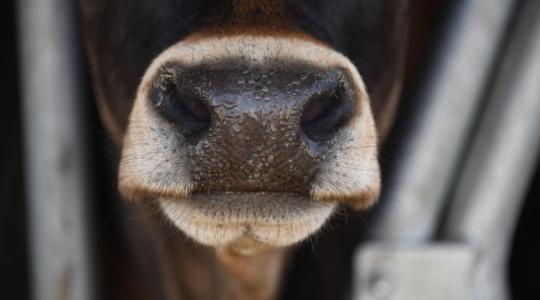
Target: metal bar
x=394 y=271
x=54 y=151
x=401 y=262
x=500 y=166
x=414 y=198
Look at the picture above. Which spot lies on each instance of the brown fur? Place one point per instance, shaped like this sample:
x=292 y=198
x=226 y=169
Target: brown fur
x=176 y=268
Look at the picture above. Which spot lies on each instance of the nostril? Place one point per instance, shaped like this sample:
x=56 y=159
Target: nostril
x=184 y=109
x=196 y=109
x=316 y=110
x=324 y=114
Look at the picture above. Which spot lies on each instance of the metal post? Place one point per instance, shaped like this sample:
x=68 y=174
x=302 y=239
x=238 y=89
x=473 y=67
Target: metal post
x=402 y=261
x=448 y=104
x=54 y=151
x=504 y=153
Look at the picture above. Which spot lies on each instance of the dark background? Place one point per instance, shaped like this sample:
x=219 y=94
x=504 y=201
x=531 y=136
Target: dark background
x=14 y=263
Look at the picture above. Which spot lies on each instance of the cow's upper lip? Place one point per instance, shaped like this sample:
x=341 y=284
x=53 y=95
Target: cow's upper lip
x=274 y=219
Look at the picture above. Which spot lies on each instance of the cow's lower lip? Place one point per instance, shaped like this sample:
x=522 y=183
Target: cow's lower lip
x=272 y=219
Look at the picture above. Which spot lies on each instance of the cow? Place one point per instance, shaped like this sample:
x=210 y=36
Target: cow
x=243 y=127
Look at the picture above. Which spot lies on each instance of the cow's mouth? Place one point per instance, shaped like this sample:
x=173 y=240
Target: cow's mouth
x=247 y=221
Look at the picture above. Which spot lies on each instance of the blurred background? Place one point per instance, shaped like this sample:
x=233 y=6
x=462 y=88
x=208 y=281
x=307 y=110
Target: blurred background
x=446 y=39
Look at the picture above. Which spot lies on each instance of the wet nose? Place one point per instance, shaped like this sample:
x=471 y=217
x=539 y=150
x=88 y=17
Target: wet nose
x=250 y=129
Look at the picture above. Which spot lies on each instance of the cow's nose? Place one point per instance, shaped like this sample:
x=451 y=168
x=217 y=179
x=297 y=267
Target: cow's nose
x=254 y=129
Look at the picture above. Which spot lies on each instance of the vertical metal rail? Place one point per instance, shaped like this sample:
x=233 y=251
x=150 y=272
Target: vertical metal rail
x=402 y=260
x=501 y=163
x=434 y=143
x=54 y=151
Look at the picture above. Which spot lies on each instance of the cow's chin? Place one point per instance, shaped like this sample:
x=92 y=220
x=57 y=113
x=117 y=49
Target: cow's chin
x=247 y=223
